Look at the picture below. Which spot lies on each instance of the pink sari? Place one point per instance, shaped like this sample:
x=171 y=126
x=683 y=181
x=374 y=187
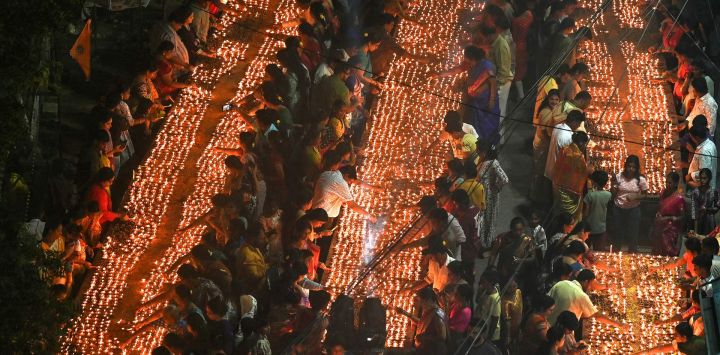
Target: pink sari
x=665 y=233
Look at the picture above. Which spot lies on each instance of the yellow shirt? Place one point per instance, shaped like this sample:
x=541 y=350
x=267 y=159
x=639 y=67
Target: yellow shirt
x=547 y=83
x=476 y=191
x=463 y=148
x=250 y=265
x=338 y=127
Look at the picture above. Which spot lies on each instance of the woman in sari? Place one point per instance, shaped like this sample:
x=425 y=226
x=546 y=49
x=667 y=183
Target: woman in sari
x=483 y=110
x=481 y=107
x=669 y=218
x=550 y=113
x=569 y=184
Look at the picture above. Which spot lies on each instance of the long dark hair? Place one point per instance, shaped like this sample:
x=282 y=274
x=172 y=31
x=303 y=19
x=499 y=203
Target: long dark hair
x=546 y=101
x=488 y=148
x=634 y=160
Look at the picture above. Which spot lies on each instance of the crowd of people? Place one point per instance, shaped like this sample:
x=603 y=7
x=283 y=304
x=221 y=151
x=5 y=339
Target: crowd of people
x=548 y=262
x=253 y=285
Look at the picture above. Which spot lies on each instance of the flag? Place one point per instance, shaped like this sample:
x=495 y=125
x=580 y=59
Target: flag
x=80 y=51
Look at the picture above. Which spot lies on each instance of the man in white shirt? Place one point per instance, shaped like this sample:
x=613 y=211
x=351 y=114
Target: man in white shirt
x=444 y=228
x=561 y=138
x=706 y=271
x=571 y=296
x=438 y=274
x=448 y=228
x=704 y=157
x=704 y=104
x=326 y=68
x=580 y=102
x=332 y=190
x=167 y=31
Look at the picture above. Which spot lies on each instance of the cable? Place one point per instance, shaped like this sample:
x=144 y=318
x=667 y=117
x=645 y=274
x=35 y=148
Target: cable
x=395 y=242
x=507 y=119
x=484 y=324
x=388 y=249
x=407 y=85
x=694 y=40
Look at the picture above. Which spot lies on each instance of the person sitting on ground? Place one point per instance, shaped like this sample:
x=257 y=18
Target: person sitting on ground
x=76 y=249
x=165 y=82
x=450 y=118
x=99 y=193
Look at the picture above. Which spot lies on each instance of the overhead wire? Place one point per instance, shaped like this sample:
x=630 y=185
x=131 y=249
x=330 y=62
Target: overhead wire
x=480 y=328
x=410 y=86
x=506 y=118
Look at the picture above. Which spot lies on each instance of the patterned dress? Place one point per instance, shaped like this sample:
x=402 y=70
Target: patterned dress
x=703 y=207
x=493 y=177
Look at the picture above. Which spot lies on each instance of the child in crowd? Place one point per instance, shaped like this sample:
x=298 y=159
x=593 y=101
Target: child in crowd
x=595 y=210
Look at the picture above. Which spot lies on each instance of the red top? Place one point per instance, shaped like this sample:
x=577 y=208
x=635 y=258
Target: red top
x=671 y=34
x=101 y=195
x=164 y=68
x=459 y=318
x=315 y=262
x=310 y=55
